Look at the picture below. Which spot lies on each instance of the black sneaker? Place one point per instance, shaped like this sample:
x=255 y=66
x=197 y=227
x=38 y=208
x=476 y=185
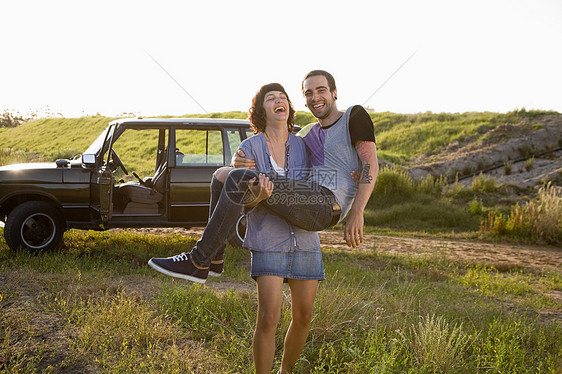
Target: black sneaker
x=179 y=266
x=215 y=270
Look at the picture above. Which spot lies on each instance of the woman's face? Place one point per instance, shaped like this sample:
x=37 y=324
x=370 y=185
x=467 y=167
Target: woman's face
x=276 y=106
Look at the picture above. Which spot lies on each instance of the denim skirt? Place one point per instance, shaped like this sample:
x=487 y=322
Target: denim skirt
x=306 y=265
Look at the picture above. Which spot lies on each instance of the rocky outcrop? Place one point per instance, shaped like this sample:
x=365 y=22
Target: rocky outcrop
x=505 y=143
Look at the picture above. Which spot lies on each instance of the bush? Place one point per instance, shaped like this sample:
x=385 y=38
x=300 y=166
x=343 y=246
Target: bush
x=540 y=220
x=10 y=156
x=431 y=185
x=483 y=184
x=507 y=167
x=11 y=120
x=393 y=185
x=529 y=163
x=63 y=153
x=437 y=345
x=475 y=208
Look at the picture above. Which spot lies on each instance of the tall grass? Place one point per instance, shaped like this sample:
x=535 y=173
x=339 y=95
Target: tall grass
x=400 y=202
x=539 y=219
x=11 y=156
x=438 y=345
x=48 y=134
x=95 y=306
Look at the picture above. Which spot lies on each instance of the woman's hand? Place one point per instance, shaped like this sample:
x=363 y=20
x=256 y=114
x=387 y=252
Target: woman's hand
x=259 y=191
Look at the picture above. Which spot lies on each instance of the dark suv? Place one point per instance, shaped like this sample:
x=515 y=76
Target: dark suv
x=39 y=201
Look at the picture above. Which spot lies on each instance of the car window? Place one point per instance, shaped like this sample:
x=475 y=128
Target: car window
x=233 y=142
x=199 y=148
x=138 y=149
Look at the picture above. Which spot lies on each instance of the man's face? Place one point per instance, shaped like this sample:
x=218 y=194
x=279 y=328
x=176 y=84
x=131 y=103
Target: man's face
x=319 y=99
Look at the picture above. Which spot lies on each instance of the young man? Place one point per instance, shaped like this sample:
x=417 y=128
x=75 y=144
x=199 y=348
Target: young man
x=338 y=144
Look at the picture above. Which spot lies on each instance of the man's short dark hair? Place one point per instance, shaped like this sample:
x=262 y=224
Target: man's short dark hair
x=329 y=78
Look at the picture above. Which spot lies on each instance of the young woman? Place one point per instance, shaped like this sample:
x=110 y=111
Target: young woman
x=280 y=252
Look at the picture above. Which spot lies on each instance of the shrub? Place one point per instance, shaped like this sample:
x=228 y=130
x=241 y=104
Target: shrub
x=529 y=163
x=8 y=119
x=10 y=156
x=483 y=183
x=431 y=185
x=481 y=164
x=539 y=220
x=507 y=167
x=393 y=185
x=475 y=208
x=437 y=345
x=525 y=150
x=62 y=153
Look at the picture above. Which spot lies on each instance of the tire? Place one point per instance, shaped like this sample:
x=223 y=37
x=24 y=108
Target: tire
x=236 y=238
x=34 y=225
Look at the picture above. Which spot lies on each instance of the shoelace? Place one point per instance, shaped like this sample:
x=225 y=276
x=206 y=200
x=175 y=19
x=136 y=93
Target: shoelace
x=181 y=257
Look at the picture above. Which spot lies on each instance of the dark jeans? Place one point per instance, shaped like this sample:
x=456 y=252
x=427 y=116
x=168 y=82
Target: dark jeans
x=300 y=203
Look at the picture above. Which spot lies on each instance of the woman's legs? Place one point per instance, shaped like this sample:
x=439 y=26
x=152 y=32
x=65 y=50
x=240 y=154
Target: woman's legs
x=222 y=173
x=269 y=312
x=303 y=293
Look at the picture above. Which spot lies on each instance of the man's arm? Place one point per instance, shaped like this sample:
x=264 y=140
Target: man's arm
x=240 y=162
x=367 y=152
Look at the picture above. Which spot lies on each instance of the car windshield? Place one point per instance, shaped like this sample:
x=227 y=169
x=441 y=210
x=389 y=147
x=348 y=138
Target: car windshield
x=97 y=144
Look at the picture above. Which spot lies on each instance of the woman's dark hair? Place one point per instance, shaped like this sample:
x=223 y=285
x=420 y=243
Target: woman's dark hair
x=257 y=113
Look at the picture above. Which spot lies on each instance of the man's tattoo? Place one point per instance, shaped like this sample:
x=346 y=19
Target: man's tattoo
x=365 y=177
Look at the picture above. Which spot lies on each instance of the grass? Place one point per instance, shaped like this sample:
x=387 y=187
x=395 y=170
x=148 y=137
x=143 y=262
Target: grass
x=399 y=136
x=95 y=306
x=539 y=219
x=402 y=204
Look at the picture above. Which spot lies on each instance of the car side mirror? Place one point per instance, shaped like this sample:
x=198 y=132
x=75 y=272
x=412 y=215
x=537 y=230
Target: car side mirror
x=89 y=159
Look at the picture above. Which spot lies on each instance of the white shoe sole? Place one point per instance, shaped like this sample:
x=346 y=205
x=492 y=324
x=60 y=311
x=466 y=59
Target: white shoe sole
x=175 y=275
x=213 y=274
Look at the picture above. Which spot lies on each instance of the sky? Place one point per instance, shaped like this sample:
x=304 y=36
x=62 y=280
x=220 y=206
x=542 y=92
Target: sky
x=187 y=57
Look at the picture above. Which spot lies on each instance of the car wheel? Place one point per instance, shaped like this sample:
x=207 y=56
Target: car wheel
x=34 y=225
x=236 y=238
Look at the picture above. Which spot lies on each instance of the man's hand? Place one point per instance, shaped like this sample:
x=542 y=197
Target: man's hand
x=353 y=233
x=260 y=191
x=240 y=162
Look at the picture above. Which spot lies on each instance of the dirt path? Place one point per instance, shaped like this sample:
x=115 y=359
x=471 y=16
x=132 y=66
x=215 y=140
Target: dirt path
x=496 y=254
x=499 y=255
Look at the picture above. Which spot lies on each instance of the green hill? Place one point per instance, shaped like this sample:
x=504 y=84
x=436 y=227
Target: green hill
x=400 y=137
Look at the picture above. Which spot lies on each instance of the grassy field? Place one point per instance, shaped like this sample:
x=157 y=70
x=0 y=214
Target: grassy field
x=95 y=306
x=399 y=136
